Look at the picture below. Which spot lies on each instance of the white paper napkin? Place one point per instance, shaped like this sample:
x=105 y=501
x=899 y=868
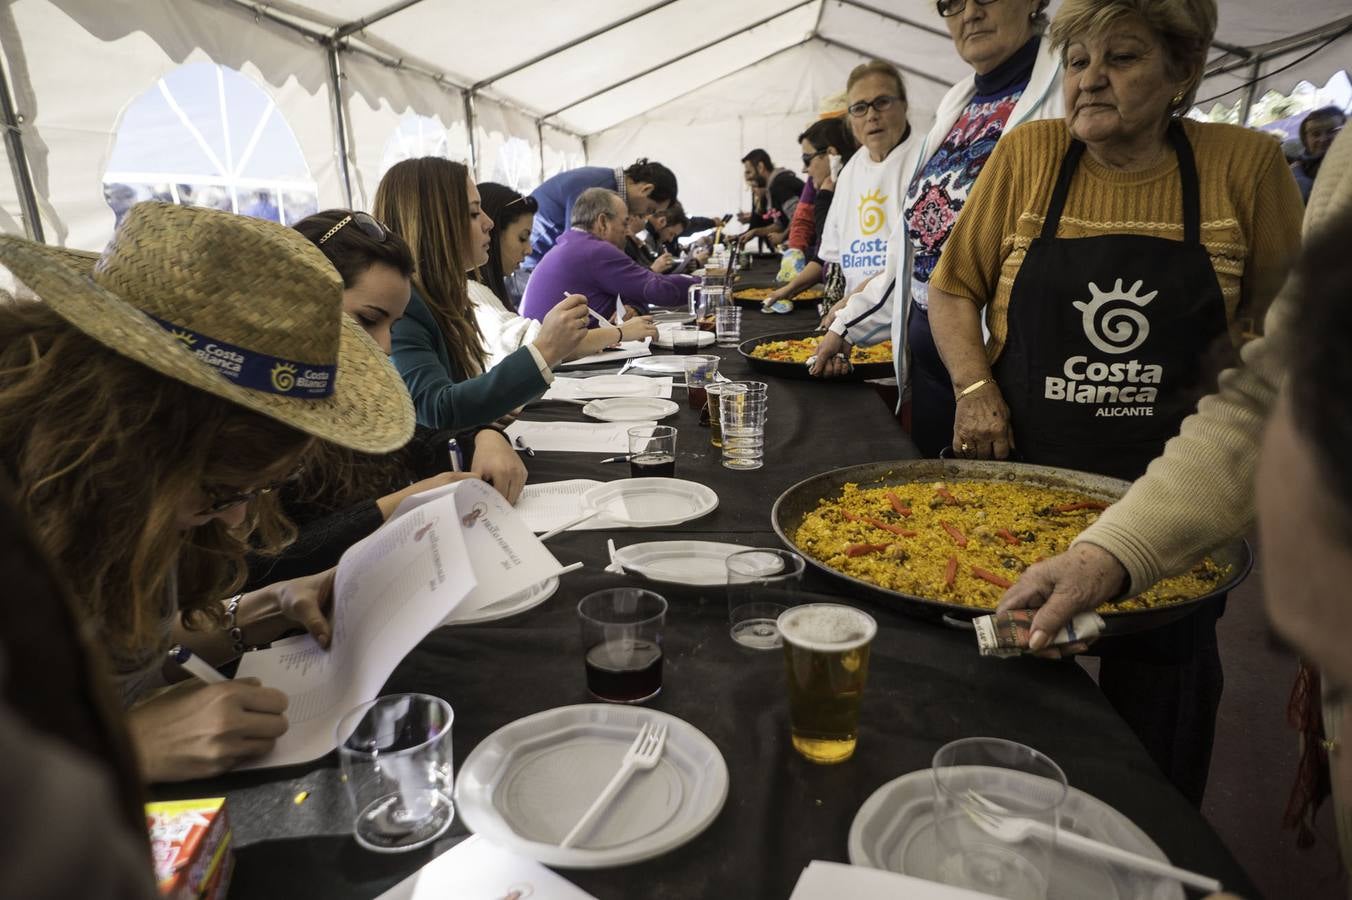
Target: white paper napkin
x=574 y=389
x=475 y=869
x=831 y=881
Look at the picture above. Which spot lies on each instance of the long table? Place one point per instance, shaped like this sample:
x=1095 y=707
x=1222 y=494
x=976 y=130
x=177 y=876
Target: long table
x=927 y=686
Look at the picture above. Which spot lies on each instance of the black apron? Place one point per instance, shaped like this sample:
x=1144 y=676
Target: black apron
x=1108 y=336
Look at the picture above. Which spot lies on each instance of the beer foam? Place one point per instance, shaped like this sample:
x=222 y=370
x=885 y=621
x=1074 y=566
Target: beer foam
x=827 y=626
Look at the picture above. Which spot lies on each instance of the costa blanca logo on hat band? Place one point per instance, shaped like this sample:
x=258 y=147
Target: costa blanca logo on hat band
x=256 y=371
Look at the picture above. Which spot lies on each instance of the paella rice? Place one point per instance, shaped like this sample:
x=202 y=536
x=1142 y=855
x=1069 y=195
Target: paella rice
x=803 y=349
x=964 y=542
x=763 y=293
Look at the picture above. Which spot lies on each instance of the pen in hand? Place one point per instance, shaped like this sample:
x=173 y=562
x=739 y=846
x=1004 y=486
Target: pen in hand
x=194 y=665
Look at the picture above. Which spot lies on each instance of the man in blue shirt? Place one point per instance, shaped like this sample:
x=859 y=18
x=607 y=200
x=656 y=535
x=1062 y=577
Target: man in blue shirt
x=645 y=187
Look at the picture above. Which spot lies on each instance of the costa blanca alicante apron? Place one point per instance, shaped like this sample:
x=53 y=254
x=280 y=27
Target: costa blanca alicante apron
x=1108 y=336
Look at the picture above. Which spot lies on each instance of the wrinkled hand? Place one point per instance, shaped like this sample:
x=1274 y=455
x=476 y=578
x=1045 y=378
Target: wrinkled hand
x=1064 y=586
x=563 y=329
x=196 y=730
x=498 y=464
x=663 y=263
x=638 y=328
x=833 y=357
x=981 y=428
x=390 y=502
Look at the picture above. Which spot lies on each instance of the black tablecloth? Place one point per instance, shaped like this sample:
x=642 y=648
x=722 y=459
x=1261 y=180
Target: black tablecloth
x=927 y=686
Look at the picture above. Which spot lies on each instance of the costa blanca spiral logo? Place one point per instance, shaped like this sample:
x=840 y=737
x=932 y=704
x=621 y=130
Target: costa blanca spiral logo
x=872 y=214
x=283 y=376
x=1111 y=326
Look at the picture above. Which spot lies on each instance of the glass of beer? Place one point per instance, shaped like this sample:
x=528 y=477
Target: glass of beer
x=699 y=374
x=622 y=643
x=826 y=649
x=716 y=392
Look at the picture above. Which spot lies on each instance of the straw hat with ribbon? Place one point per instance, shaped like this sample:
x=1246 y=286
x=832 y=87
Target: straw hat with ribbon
x=244 y=309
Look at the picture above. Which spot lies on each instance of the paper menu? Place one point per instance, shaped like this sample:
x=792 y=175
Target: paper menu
x=458 y=544
x=624 y=350
x=576 y=437
x=544 y=507
x=392 y=588
x=831 y=881
x=475 y=869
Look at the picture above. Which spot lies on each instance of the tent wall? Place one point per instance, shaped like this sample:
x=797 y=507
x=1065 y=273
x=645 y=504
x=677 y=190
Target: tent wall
x=704 y=148
x=495 y=127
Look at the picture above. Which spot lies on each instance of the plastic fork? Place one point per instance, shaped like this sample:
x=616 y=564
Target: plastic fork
x=643 y=753
x=1013 y=830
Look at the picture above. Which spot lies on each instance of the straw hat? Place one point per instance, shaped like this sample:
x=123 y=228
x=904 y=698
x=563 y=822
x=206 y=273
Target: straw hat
x=241 y=308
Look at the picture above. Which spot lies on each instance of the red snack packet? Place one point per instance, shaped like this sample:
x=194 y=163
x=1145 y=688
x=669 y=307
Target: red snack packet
x=190 y=846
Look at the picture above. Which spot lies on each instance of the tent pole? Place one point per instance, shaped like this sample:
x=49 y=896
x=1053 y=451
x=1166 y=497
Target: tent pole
x=1335 y=29
x=339 y=118
x=18 y=160
x=540 y=138
x=469 y=130
x=1246 y=103
x=357 y=25
x=900 y=20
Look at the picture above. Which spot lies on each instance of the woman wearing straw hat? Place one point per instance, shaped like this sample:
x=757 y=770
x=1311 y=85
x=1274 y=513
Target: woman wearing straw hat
x=433 y=204
x=148 y=404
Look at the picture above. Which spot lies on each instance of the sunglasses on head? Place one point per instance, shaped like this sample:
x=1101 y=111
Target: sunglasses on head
x=528 y=203
x=221 y=502
x=368 y=225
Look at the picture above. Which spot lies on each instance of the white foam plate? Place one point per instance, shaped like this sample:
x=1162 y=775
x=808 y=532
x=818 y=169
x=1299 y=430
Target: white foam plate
x=651 y=502
x=672 y=317
x=893 y=830
x=663 y=339
x=630 y=409
x=530 y=598
x=612 y=386
x=526 y=785
x=662 y=365
x=680 y=562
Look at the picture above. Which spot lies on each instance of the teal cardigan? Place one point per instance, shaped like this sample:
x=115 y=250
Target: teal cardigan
x=442 y=396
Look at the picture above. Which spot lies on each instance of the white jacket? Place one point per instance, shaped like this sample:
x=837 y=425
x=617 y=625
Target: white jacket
x=874 y=314
x=504 y=331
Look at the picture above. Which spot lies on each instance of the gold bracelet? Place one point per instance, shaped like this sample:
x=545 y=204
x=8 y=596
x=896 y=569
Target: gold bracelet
x=974 y=386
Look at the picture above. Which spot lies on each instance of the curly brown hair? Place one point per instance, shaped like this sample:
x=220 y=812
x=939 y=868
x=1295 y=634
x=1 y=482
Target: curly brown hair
x=105 y=452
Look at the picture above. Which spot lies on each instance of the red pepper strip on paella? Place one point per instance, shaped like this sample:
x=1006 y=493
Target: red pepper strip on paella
x=1008 y=537
x=895 y=529
x=951 y=573
x=992 y=578
x=947 y=495
x=897 y=504
x=958 y=537
x=865 y=549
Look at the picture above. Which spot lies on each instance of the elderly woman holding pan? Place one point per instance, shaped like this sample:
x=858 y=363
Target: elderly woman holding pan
x=1113 y=254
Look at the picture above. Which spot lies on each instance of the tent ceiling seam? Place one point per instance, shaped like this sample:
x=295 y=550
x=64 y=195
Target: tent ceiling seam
x=356 y=25
x=714 y=43
x=900 y=20
x=909 y=70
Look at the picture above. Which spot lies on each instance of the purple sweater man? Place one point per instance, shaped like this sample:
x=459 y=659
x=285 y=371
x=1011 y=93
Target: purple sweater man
x=588 y=259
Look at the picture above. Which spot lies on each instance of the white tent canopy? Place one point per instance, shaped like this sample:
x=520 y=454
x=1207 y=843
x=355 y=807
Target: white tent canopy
x=522 y=90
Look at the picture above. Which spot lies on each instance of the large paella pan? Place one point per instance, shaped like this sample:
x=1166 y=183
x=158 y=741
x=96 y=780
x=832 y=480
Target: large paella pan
x=944 y=537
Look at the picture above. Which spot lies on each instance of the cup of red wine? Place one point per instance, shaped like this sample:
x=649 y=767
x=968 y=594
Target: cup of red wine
x=652 y=451
x=622 y=643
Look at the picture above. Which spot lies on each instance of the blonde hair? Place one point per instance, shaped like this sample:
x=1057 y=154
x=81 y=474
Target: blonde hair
x=426 y=202
x=104 y=452
x=876 y=67
x=1185 y=28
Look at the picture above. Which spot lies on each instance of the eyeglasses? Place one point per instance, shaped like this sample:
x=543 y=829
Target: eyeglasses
x=809 y=157
x=955 y=7
x=368 y=225
x=881 y=103
x=528 y=203
x=222 y=502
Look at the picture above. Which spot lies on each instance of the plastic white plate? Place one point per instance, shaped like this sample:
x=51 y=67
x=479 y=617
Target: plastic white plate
x=527 y=784
x=662 y=365
x=893 y=830
x=630 y=409
x=517 y=603
x=612 y=386
x=672 y=317
x=651 y=502
x=663 y=339
x=679 y=562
